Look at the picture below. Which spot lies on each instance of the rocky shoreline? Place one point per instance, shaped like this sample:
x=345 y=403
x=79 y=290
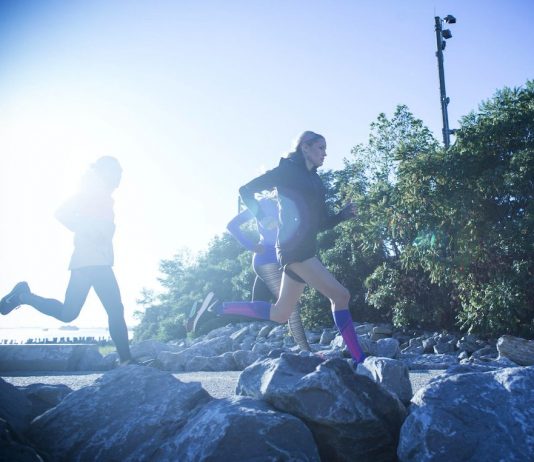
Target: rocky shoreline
x=288 y=405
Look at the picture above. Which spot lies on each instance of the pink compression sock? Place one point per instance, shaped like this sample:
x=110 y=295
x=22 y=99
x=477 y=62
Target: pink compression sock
x=343 y=321
x=256 y=310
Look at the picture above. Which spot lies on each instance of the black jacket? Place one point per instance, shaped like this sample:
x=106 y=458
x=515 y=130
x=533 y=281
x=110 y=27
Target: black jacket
x=303 y=211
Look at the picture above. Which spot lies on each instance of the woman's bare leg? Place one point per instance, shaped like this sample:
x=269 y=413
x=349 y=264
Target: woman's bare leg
x=317 y=276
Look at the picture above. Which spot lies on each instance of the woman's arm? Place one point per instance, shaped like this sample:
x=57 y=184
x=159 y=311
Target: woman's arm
x=234 y=227
x=265 y=182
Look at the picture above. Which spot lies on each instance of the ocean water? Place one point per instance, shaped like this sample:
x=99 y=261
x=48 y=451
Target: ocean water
x=37 y=334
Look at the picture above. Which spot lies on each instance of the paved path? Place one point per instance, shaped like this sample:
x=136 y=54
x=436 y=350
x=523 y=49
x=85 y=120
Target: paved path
x=217 y=384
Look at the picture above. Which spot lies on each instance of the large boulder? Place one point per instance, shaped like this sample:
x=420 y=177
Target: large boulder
x=350 y=416
x=519 y=350
x=51 y=357
x=13 y=448
x=127 y=414
x=15 y=407
x=393 y=375
x=43 y=397
x=479 y=416
x=238 y=429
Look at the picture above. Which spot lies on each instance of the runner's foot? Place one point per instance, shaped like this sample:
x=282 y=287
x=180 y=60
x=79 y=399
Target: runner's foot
x=206 y=305
x=12 y=299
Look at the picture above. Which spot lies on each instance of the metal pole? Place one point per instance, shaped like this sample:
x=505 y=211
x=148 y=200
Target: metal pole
x=443 y=94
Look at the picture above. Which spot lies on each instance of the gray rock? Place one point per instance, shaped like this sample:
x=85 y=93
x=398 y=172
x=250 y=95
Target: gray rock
x=224 y=362
x=127 y=414
x=171 y=361
x=50 y=357
x=391 y=374
x=425 y=362
x=519 y=350
x=262 y=348
x=443 y=348
x=350 y=416
x=241 y=429
x=314 y=337
x=327 y=336
x=14 y=448
x=240 y=334
x=428 y=345
x=487 y=416
x=265 y=330
x=149 y=349
x=44 y=397
x=387 y=348
x=91 y=360
x=383 y=329
x=15 y=407
x=243 y=359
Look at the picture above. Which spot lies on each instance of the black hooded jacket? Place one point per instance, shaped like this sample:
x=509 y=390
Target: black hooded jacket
x=303 y=211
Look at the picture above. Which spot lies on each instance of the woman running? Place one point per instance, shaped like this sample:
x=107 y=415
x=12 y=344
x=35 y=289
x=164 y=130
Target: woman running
x=89 y=215
x=303 y=214
x=265 y=262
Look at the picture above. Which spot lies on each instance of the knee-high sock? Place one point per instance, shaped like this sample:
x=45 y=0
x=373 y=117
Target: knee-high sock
x=297 y=330
x=343 y=321
x=256 y=310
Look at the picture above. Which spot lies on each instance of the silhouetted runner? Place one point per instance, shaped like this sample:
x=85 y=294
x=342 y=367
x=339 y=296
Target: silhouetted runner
x=89 y=215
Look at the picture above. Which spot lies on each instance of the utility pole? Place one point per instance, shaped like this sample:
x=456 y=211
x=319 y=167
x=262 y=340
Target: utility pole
x=441 y=36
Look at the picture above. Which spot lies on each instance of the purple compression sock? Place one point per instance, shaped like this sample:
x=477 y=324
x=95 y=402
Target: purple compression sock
x=256 y=310
x=343 y=321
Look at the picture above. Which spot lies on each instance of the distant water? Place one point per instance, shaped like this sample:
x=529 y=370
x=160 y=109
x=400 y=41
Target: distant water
x=23 y=334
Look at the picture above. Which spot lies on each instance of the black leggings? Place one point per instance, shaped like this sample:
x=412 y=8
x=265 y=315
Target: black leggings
x=103 y=280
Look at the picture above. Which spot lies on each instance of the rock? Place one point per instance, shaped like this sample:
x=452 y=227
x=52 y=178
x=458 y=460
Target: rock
x=350 y=416
x=391 y=374
x=261 y=348
x=327 y=336
x=265 y=330
x=127 y=414
x=14 y=448
x=488 y=352
x=425 y=362
x=240 y=334
x=171 y=361
x=241 y=429
x=517 y=349
x=224 y=362
x=387 y=348
x=314 y=337
x=428 y=345
x=15 y=407
x=469 y=343
x=243 y=359
x=486 y=416
x=443 y=348
x=50 y=357
x=149 y=349
x=44 y=397
x=383 y=329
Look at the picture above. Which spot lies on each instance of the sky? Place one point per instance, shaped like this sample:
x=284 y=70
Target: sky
x=195 y=98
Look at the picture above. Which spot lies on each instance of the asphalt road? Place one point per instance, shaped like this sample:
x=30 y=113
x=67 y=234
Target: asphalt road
x=217 y=384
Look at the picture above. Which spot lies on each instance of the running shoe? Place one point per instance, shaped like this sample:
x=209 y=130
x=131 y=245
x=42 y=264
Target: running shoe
x=206 y=304
x=12 y=299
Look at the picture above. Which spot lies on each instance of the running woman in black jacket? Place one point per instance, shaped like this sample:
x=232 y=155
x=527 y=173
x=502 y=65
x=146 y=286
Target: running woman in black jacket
x=303 y=214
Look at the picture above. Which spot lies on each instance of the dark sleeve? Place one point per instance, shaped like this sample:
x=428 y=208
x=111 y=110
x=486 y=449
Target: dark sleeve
x=266 y=182
x=329 y=221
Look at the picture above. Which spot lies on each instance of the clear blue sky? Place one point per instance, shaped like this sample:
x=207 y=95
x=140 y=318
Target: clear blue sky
x=197 y=97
